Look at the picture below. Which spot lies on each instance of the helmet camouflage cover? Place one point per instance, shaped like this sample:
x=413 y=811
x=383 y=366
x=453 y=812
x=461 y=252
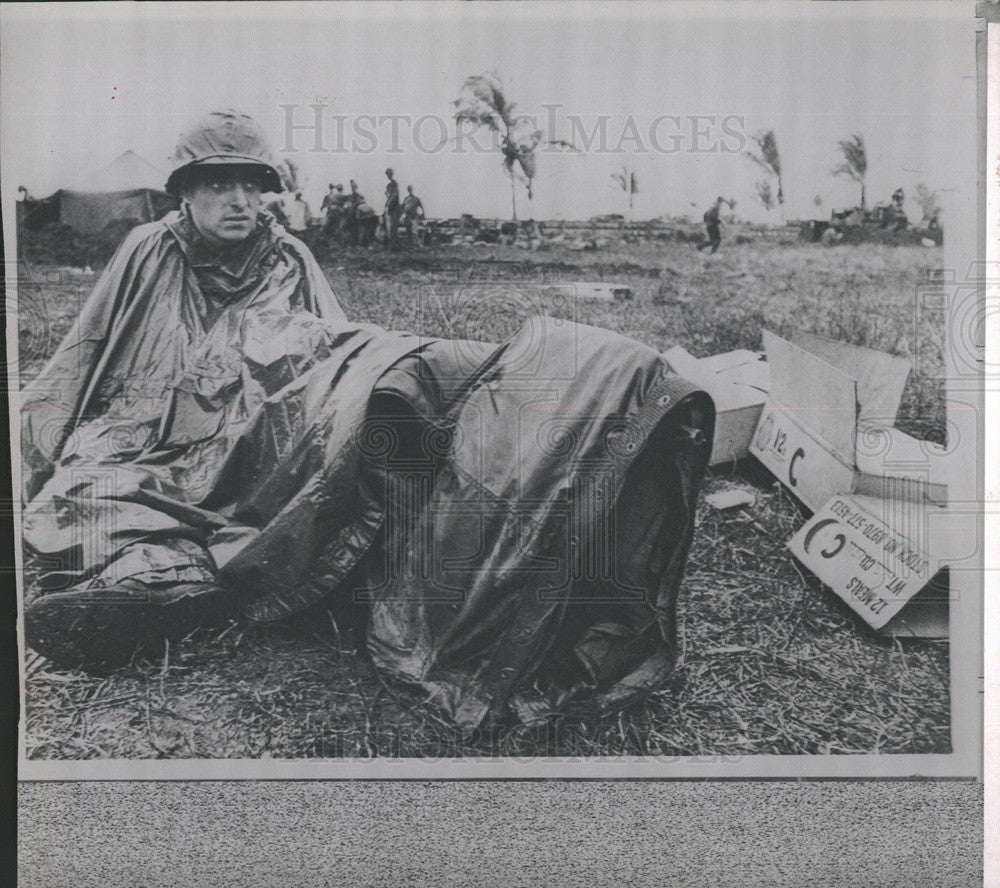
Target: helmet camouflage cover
x=224 y=137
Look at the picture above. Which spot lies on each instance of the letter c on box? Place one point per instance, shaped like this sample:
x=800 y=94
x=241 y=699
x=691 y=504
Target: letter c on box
x=816 y=528
x=841 y=542
x=799 y=454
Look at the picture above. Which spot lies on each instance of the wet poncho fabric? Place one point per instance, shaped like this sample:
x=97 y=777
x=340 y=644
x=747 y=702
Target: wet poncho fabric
x=513 y=520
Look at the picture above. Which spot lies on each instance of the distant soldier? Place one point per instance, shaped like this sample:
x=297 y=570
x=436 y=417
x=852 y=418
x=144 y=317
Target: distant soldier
x=713 y=225
x=413 y=215
x=366 y=223
x=898 y=220
x=333 y=209
x=392 y=208
x=329 y=198
x=351 y=204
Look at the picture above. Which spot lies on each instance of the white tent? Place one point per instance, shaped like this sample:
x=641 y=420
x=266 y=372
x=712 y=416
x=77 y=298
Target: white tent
x=127 y=172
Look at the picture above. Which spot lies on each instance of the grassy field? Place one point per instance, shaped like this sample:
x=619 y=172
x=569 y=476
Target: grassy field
x=771 y=661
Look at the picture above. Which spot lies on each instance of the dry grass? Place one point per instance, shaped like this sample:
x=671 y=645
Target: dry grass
x=771 y=661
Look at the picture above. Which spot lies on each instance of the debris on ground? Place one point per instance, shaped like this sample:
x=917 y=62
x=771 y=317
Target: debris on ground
x=593 y=290
x=738 y=382
x=730 y=499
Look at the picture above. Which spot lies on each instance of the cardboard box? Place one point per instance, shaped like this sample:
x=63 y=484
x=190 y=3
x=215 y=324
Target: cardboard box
x=827 y=426
x=884 y=558
x=738 y=383
x=878 y=533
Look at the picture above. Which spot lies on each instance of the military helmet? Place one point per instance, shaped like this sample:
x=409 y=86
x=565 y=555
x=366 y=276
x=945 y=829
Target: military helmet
x=224 y=137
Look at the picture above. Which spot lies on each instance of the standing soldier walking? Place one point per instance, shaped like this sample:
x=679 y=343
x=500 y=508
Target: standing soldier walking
x=713 y=228
x=333 y=209
x=352 y=206
x=413 y=215
x=392 y=208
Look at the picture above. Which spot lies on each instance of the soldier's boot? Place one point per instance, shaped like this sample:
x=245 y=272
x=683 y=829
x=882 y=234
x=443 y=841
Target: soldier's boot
x=101 y=628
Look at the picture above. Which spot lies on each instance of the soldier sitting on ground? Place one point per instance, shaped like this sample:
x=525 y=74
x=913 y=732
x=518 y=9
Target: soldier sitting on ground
x=214 y=439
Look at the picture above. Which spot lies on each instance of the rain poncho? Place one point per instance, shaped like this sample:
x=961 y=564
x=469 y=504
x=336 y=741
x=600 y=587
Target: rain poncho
x=514 y=518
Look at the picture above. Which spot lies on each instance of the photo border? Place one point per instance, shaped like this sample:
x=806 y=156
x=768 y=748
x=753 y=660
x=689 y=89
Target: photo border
x=963 y=249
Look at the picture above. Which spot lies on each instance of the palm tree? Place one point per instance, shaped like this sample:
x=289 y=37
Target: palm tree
x=855 y=162
x=626 y=180
x=767 y=158
x=481 y=100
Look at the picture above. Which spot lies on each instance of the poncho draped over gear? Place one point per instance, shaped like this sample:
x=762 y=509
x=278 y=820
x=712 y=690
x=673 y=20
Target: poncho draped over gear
x=514 y=518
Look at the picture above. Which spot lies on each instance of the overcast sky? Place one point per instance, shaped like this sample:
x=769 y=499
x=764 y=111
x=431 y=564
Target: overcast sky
x=80 y=84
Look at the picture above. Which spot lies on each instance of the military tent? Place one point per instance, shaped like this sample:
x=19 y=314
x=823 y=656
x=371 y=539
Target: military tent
x=129 y=188
x=89 y=211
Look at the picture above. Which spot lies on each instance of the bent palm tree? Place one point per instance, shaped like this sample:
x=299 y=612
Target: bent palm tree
x=855 y=162
x=625 y=180
x=482 y=102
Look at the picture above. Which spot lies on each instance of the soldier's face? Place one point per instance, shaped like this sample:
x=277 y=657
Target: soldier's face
x=224 y=202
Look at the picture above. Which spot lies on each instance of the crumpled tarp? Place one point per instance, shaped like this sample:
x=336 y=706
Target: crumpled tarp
x=542 y=560
x=515 y=519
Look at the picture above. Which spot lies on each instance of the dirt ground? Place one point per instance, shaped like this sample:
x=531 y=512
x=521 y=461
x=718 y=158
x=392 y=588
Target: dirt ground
x=771 y=662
